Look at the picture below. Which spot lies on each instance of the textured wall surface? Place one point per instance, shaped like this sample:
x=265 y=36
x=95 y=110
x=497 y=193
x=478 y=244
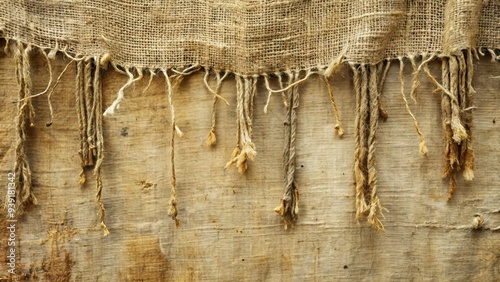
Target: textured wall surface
x=228 y=230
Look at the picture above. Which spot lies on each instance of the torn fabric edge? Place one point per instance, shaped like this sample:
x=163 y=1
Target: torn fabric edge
x=456 y=87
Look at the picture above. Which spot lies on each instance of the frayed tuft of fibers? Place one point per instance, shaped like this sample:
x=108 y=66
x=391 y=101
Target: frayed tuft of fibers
x=211 y=138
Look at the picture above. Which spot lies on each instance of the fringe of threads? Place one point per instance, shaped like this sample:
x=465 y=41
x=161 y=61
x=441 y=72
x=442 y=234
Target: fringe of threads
x=24 y=120
x=289 y=206
x=367 y=82
x=89 y=113
x=246 y=87
x=456 y=107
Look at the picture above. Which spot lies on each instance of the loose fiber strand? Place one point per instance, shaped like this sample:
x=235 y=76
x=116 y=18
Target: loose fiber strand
x=364 y=135
x=239 y=107
x=152 y=74
x=214 y=92
x=338 y=124
x=459 y=132
x=90 y=105
x=116 y=103
x=97 y=101
x=49 y=97
x=289 y=205
x=462 y=106
x=468 y=163
x=172 y=212
x=308 y=73
x=415 y=82
x=211 y=137
x=245 y=149
x=49 y=66
x=422 y=146
x=451 y=148
x=283 y=95
x=82 y=119
x=270 y=93
x=381 y=108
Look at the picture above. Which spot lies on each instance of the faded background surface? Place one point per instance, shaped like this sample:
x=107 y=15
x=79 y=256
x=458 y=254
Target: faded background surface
x=228 y=229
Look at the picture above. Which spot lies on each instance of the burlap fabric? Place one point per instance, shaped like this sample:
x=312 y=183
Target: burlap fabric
x=252 y=37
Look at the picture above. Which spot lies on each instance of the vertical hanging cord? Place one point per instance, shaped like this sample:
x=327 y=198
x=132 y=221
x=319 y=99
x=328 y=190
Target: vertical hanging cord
x=211 y=137
x=359 y=170
x=269 y=93
x=237 y=149
x=51 y=111
x=253 y=92
x=462 y=105
x=364 y=112
x=457 y=117
x=459 y=133
x=99 y=141
x=245 y=116
x=172 y=212
x=240 y=98
x=366 y=85
x=338 y=124
x=89 y=112
x=90 y=106
x=289 y=206
x=24 y=119
x=82 y=118
x=375 y=206
x=245 y=148
x=381 y=109
x=415 y=83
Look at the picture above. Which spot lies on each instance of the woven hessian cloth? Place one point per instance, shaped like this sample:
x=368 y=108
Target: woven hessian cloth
x=252 y=37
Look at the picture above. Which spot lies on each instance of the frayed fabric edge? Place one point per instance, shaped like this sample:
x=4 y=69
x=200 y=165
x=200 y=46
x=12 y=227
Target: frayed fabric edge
x=457 y=104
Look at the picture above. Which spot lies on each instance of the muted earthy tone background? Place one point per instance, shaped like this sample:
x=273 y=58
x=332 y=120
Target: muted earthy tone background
x=228 y=229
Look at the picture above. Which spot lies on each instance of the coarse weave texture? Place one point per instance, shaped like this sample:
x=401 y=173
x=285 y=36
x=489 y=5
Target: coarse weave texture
x=254 y=41
x=249 y=36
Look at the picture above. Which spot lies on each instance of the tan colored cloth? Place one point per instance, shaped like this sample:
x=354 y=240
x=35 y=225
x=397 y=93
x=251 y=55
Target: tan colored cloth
x=252 y=37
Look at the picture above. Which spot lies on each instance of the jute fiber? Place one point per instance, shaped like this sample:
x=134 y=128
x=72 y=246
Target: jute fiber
x=253 y=59
x=252 y=37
